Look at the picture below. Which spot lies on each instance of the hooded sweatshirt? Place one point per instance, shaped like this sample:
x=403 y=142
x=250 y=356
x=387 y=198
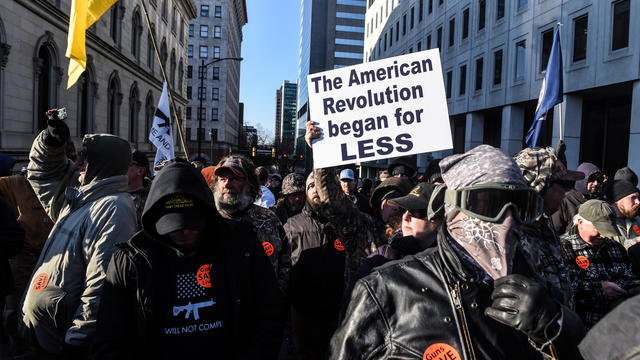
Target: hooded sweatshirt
x=219 y=299
x=60 y=305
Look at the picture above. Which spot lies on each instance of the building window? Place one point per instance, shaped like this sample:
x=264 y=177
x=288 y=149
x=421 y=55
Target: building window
x=204 y=10
x=385 y=41
x=165 y=10
x=188 y=115
x=204 y=51
x=379 y=47
x=580 y=26
x=181 y=32
x=202 y=93
x=189 y=72
x=391 y=37
x=449 y=81
x=202 y=72
x=216 y=52
x=189 y=90
x=499 y=9
x=465 y=23
x=136 y=34
x=440 y=2
x=547 y=43
x=463 y=79
x=428 y=41
x=214 y=134
x=86 y=91
x=204 y=31
x=216 y=73
x=620 y=25
x=215 y=94
x=149 y=110
x=420 y=10
x=217 y=32
x=439 y=38
x=172 y=69
x=413 y=13
x=410 y=50
x=134 y=107
x=180 y=76
x=218 y=11
x=404 y=24
x=191 y=26
x=214 y=114
x=116 y=23
x=452 y=32
x=419 y=45
x=522 y=3
x=482 y=13
x=203 y=113
x=497 y=67
x=479 y=70
x=521 y=48
x=190 y=51
x=430 y=6
x=174 y=19
x=151 y=55
x=114 y=99
x=397 y=30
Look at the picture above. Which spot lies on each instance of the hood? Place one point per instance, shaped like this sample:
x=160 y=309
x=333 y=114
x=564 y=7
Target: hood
x=587 y=169
x=176 y=177
x=107 y=155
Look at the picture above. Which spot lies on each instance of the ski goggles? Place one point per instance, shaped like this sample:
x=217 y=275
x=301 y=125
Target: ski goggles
x=489 y=201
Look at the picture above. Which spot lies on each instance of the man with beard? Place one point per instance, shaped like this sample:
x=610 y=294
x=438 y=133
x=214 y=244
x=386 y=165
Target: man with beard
x=625 y=198
x=188 y=286
x=235 y=188
x=388 y=215
x=59 y=308
x=473 y=296
x=293 y=192
x=349 y=184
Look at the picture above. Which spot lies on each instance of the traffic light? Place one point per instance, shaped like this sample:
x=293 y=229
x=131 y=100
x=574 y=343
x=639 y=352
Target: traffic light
x=273 y=152
x=301 y=156
x=284 y=155
x=253 y=151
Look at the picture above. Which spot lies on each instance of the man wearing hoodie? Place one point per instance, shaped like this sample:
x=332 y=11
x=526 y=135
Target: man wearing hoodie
x=591 y=187
x=188 y=286
x=60 y=305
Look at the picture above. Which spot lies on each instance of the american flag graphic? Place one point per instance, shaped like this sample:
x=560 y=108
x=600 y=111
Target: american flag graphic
x=188 y=286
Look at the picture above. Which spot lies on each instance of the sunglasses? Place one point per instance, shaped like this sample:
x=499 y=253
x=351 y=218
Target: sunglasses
x=489 y=202
x=599 y=177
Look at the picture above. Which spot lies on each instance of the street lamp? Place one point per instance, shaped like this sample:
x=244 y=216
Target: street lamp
x=203 y=66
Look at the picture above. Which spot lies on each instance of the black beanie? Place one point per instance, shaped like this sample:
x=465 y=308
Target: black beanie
x=622 y=188
x=628 y=175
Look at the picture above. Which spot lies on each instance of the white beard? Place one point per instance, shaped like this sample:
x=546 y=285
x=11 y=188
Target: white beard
x=236 y=204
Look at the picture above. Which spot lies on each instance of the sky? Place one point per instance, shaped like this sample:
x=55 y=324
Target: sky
x=270 y=53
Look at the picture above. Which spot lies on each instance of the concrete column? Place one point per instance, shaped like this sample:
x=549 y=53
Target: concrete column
x=572 y=119
x=512 y=129
x=474 y=130
x=634 y=130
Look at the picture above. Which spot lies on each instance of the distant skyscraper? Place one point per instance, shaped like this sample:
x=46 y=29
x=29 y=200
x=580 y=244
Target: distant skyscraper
x=331 y=36
x=286 y=108
x=277 y=138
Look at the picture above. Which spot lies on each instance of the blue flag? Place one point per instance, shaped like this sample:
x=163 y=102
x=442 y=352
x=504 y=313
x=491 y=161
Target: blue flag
x=551 y=91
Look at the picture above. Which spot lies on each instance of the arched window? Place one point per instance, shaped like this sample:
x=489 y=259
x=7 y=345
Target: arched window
x=87 y=87
x=163 y=53
x=165 y=9
x=4 y=57
x=172 y=69
x=134 y=109
x=113 y=104
x=149 y=110
x=117 y=13
x=151 y=54
x=136 y=33
x=47 y=77
x=180 y=77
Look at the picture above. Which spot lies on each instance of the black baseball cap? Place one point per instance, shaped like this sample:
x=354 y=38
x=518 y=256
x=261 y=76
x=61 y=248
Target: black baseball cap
x=423 y=196
x=179 y=212
x=140 y=159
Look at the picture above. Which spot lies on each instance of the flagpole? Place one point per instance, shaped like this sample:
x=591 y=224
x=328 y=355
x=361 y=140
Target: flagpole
x=164 y=75
x=560 y=115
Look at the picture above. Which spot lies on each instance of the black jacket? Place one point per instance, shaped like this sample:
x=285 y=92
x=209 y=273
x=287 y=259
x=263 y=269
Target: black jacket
x=140 y=277
x=431 y=302
x=563 y=218
x=11 y=239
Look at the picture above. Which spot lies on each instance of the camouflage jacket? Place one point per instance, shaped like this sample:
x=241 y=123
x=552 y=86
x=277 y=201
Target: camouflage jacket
x=543 y=250
x=354 y=227
x=270 y=234
x=629 y=231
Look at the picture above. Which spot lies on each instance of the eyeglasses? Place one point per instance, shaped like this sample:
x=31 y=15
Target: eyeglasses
x=489 y=202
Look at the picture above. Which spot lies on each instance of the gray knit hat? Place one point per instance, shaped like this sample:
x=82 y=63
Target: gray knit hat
x=293 y=183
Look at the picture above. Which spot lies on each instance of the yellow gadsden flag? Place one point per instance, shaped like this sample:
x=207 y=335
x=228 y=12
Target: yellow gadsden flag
x=83 y=14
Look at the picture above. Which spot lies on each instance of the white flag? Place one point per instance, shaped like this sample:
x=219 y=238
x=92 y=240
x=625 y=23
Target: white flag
x=161 y=134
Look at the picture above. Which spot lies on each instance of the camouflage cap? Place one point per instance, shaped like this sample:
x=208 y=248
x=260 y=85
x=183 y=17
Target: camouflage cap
x=540 y=165
x=293 y=183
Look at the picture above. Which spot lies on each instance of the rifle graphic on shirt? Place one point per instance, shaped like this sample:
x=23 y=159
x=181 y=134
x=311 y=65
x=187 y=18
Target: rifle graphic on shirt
x=192 y=308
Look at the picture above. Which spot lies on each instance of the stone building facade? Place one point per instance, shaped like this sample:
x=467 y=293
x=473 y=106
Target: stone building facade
x=119 y=91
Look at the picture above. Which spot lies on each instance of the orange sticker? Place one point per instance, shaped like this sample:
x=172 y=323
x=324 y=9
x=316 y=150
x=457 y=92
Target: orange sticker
x=268 y=248
x=40 y=282
x=440 y=351
x=636 y=229
x=582 y=262
x=203 y=276
x=338 y=245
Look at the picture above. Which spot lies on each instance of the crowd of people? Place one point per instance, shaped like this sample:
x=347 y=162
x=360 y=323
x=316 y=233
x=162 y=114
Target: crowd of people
x=484 y=256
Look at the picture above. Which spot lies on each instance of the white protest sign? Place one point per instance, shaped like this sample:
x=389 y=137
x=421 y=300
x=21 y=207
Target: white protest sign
x=381 y=109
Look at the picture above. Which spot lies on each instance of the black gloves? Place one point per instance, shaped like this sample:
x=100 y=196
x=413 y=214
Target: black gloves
x=57 y=131
x=524 y=304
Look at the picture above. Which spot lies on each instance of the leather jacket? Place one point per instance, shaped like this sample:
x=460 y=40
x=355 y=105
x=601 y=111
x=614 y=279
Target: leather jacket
x=429 y=305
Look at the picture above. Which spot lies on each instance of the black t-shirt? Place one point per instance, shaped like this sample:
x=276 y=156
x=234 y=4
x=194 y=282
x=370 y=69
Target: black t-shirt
x=195 y=312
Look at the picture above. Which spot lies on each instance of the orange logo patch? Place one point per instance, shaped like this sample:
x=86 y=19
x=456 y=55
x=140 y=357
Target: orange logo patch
x=268 y=248
x=338 y=245
x=40 y=282
x=203 y=276
x=440 y=351
x=582 y=262
x=636 y=229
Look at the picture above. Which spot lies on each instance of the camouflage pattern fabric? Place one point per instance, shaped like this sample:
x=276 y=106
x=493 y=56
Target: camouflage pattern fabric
x=537 y=166
x=293 y=183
